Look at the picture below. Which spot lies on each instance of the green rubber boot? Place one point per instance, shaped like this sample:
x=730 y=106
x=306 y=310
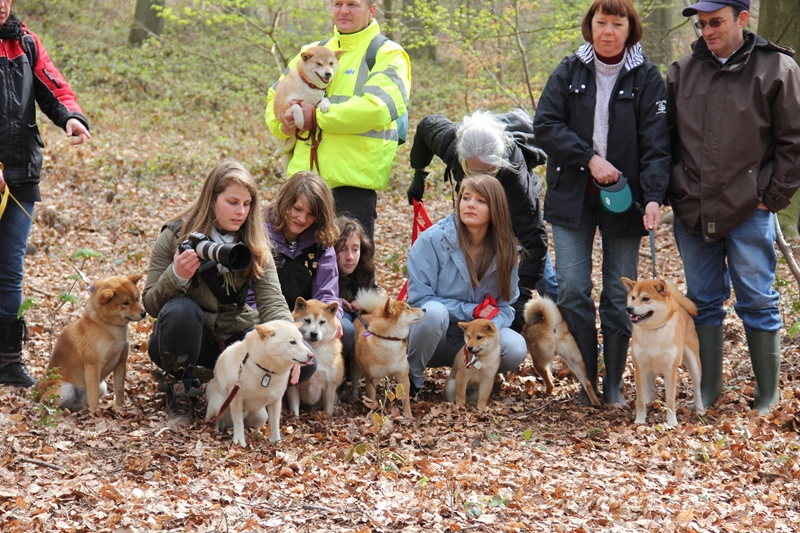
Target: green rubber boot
x=710 y=338
x=765 y=356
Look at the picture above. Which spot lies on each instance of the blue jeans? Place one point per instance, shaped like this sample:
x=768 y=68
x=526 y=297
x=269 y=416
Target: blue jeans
x=574 y=272
x=745 y=257
x=15 y=227
x=433 y=343
x=548 y=285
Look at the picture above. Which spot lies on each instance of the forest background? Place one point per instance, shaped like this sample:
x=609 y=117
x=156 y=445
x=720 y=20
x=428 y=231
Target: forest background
x=167 y=97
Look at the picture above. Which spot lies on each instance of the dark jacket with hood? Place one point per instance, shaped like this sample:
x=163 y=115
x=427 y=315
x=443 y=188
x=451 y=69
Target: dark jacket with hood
x=736 y=134
x=21 y=87
x=638 y=139
x=436 y=135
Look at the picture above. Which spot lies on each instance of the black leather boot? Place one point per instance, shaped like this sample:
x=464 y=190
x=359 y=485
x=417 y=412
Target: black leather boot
x=587 y=344
x=615 y=356
x=12 y=369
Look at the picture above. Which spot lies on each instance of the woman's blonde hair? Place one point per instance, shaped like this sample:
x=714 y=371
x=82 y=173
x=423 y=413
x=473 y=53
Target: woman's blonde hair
x=501 y=244
x=200 y=217
x=317 y=194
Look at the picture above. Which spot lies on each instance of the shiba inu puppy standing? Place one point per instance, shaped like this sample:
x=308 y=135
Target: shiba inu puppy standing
x=663 y=336
x=476 y=365
x=382 y=350
x=547 y=335
x=260 y=364
x=94 y=346
x=306 y=82
x=318 y=326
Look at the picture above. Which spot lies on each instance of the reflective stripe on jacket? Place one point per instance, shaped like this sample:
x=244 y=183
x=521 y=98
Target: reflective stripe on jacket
x=359 y=133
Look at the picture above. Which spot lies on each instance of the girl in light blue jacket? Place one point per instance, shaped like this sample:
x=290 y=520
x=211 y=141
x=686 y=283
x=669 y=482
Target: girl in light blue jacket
x=462 y=268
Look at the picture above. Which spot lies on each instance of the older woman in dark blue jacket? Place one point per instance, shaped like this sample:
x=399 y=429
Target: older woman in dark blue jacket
x=602 y=114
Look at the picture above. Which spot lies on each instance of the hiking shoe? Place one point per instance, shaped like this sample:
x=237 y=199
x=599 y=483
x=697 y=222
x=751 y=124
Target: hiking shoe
x=15 y=374
x=179 y=406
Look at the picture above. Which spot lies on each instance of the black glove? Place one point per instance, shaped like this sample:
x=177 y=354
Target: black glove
x=519 y=308
x=417 y=187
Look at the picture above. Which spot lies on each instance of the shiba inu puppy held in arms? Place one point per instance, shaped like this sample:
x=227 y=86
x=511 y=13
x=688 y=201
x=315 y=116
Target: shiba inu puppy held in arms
x=94 y=346
x=382 y=350
x=260 y=364
x=306 y=82
x=318 y=326
x=547 y=335
x=663 y=336
x=476 y=365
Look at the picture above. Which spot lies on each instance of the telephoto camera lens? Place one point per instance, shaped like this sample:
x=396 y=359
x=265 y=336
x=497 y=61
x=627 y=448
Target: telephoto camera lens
x=236 y=257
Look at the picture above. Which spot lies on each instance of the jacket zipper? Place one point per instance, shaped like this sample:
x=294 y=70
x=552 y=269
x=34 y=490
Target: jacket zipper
x=50 y=76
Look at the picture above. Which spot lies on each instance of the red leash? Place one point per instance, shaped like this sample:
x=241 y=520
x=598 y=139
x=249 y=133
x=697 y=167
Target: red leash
x=421 y=222
x=315 y=136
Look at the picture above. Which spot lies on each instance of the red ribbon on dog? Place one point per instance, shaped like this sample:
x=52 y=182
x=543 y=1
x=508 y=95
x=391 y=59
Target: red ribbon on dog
x=421 y=222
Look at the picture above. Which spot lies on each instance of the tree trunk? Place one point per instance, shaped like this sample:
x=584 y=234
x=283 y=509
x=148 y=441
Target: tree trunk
x=655 y=42
x=779 y=22
x=146 y=21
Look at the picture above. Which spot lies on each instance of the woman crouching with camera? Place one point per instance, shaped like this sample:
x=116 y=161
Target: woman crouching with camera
x=200 y=303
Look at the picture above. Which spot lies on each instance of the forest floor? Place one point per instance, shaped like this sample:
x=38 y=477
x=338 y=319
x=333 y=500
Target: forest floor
x=532 y=462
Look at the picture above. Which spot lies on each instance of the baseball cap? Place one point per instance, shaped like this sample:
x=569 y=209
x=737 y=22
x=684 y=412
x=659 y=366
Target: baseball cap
x=716 y=5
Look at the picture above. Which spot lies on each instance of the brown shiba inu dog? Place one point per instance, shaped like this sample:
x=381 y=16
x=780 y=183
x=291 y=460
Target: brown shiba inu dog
x=318 y=327
x=547 y=335
x=476 y=364
x=260 y=364
x=94 y=346
x=383 y=349
x=306 y=82
x=663 y=336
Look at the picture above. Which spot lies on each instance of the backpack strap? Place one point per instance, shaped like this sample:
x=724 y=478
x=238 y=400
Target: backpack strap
x=29 y=45
x=372 y=50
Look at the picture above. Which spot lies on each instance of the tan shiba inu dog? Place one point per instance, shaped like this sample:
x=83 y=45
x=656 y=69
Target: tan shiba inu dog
x=383 y=349
x=663 y=336
x=547 y=335
x=94 y=346
x=260 y=364
x=476 y=364
x=306 y=82
x=318 y=327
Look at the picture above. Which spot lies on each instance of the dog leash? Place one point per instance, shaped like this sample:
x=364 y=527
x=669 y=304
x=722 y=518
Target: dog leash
x=265 y=381
x=4 y=200
x=652 y=241
x=421 y=222
x=367 y=333
x=315 y=137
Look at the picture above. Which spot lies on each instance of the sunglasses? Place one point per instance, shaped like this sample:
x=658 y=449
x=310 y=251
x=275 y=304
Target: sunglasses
x=714 y=23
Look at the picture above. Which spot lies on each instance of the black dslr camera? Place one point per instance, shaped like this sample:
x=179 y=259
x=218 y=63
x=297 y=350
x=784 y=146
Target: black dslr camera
x=236 y=257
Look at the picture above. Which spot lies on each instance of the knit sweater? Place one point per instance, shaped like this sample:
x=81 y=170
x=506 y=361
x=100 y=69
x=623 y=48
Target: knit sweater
x=606 y=78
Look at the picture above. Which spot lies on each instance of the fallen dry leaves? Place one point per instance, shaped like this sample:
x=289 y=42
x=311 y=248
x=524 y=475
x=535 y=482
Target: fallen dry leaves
x=531 y=463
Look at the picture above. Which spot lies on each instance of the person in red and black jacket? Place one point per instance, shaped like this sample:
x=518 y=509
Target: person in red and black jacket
x=27 y=77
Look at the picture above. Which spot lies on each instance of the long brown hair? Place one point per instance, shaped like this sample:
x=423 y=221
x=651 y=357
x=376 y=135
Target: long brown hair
x=364 y=273
x=501 y=244
x=200 y=215
x=317 y=194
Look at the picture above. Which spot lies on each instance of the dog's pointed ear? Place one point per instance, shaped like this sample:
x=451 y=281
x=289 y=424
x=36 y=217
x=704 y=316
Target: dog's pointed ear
x=490 y=327
x=264 y=331
x=662 y=287
x=106 y=295
x=333 y=308
x=388 y=309
x=339 y=53
x=306 y=55
x=300 y=303
x=628 y=283
x=463 y=325
x=134 y=278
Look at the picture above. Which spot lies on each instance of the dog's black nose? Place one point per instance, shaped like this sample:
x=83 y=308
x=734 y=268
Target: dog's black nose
x=629 y=310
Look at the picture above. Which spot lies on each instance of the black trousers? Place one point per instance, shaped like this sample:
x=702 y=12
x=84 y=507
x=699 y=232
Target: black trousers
x=360 y=204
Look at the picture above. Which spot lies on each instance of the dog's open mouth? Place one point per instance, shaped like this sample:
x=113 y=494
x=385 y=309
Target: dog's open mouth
x=638 y=318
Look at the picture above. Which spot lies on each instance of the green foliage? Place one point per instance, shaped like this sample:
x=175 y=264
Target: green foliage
x=87 y=253
x=373 y=450
x=27 y=304
x=45 y=406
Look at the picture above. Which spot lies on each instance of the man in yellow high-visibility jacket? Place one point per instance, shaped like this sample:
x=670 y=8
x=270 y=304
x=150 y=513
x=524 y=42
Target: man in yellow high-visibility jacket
x=360 y=130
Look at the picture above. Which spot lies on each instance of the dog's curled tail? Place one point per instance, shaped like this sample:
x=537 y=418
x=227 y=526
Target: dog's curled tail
x=682 y=300
x=369 y=300
x=542 y=310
